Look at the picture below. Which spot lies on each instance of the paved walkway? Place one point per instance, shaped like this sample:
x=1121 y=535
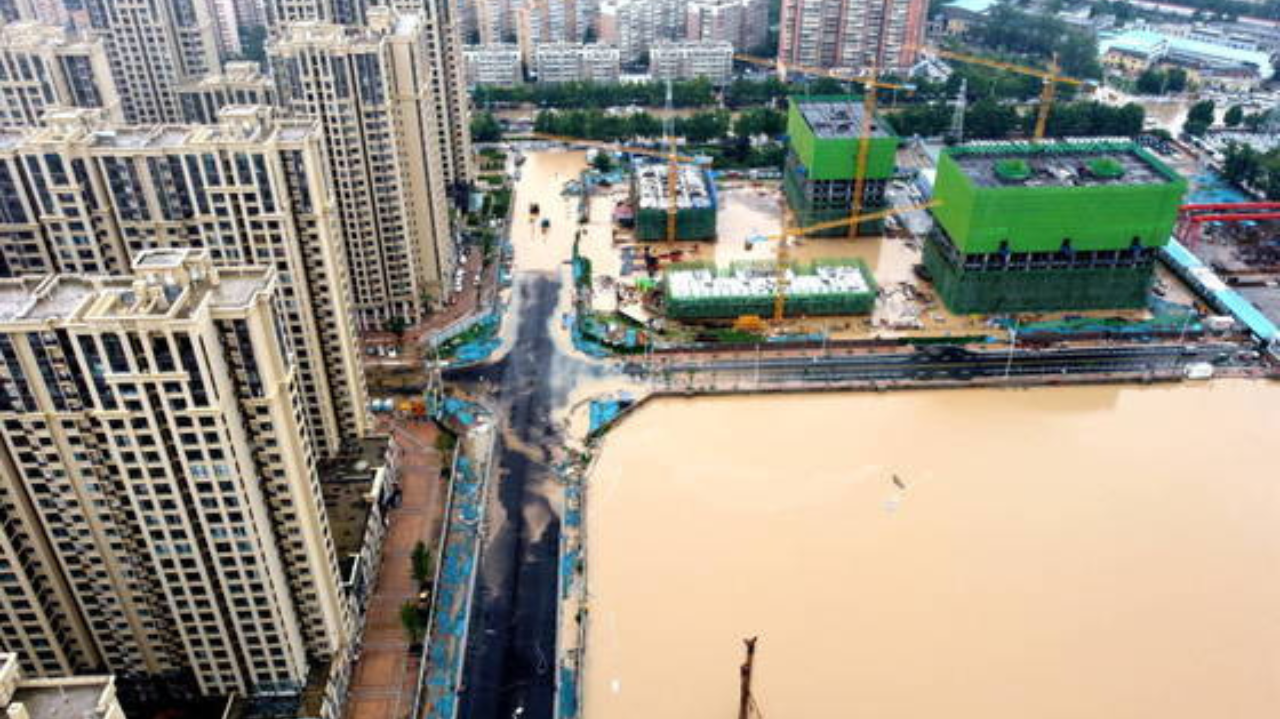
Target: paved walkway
x=383 y=685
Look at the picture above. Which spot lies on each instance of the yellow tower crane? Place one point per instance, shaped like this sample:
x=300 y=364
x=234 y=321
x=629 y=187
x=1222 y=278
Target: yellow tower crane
x=1050 y=79
x=871 y=83
x=782 y=260
x=672 y=169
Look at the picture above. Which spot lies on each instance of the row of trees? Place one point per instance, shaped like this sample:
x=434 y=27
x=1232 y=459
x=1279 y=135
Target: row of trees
x=1154 y=81
x=684 y=93
x=991 y=120
x=1039 y=35
x=1244 y=165
x=598 y=125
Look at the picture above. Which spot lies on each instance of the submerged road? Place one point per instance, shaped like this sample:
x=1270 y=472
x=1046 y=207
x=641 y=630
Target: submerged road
x=511 y=657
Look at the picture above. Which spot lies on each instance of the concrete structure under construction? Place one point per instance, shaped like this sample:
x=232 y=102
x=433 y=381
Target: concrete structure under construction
x=821 y=167
x=695 y=202
x=1060 y=226
x=830 y=287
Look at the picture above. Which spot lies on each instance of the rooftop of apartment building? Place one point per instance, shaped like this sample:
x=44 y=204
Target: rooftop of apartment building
x=167 y=284
x=84 y=697
x=836 y=119
x=237 y=123
x=30 y=35
x=233 y=73
x=1062 y=164
x=347 y=483
x=382 y=21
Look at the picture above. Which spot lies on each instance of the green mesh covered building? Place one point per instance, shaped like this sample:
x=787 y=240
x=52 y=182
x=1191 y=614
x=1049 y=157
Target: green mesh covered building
x=1056 y=226
x=822 y=159
x=695 y=202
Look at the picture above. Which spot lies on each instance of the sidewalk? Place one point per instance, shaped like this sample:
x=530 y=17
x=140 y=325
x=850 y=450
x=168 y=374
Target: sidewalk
x=385 y=675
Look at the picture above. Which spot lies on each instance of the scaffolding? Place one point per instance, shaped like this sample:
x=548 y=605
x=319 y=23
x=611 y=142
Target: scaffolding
x=819 y=177
x=700 y=291
x=1038 y=282
x=696 y=203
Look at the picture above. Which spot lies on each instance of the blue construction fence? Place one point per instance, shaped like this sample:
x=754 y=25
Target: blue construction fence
x=452 y=602
x=470 y=341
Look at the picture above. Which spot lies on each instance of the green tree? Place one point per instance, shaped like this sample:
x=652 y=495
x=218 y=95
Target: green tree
x=602 y=162
x=1199 y=118
x=1151 y=82
x=485 y=127
x=760 y=121
x=422 y=564
x=989 y=120
x=1175 y=80
x=415 y=626
x=1234 y=116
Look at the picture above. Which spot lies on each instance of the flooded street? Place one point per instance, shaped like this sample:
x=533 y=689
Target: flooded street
x=1058 y=552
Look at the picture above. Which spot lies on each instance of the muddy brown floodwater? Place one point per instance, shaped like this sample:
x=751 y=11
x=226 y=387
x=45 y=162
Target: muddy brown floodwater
x=1054 y=553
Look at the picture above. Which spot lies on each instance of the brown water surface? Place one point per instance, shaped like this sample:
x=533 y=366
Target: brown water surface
x=1056 y=553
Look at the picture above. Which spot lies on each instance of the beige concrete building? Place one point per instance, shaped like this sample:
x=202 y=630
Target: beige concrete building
x=43 y=66
x=693 y=59
x=91 y=697
x=572 y=62
x=82 y=196
x=499 y=65
x=239 y=83
x=744 y=23
x=633 y=26
x=391 y=106
x=153 y=47
x=161 y=498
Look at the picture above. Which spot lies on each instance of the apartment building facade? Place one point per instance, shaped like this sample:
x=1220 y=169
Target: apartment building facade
x=498 y=65
x=744 y=23
x=154 y=450
x=388 y=136
x=634 y=25
x=573 y=62
x=44 y=66
x=82 y=196
x=153 y=47
x=239 y=83
x=692 y=59
x=856 y=36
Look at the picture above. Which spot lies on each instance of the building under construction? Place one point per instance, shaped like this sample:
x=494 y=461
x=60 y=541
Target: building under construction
x=822 y=162
x=1072 y=225
x=695 y=202
x=700 y=291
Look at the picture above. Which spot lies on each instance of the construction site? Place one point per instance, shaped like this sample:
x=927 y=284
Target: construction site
x=1049 y=226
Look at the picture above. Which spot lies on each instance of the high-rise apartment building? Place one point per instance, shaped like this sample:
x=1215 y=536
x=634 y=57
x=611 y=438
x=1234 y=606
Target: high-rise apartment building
x=161 y=502
x=339 y=12
x=81 y=197
x=15 y=10
x=239 y=83
x=744 y=23
x=852 y=34
x=42 y=66
x=634 y=25
x=392 y=110
x=154 y=45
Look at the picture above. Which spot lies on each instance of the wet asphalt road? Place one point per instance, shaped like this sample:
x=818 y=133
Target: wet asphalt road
x=511 y=654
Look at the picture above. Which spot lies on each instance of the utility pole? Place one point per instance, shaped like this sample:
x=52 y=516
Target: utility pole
x=744 y=696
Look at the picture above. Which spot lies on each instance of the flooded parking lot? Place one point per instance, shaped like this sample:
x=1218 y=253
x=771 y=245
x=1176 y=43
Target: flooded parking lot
x=1058 y=552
